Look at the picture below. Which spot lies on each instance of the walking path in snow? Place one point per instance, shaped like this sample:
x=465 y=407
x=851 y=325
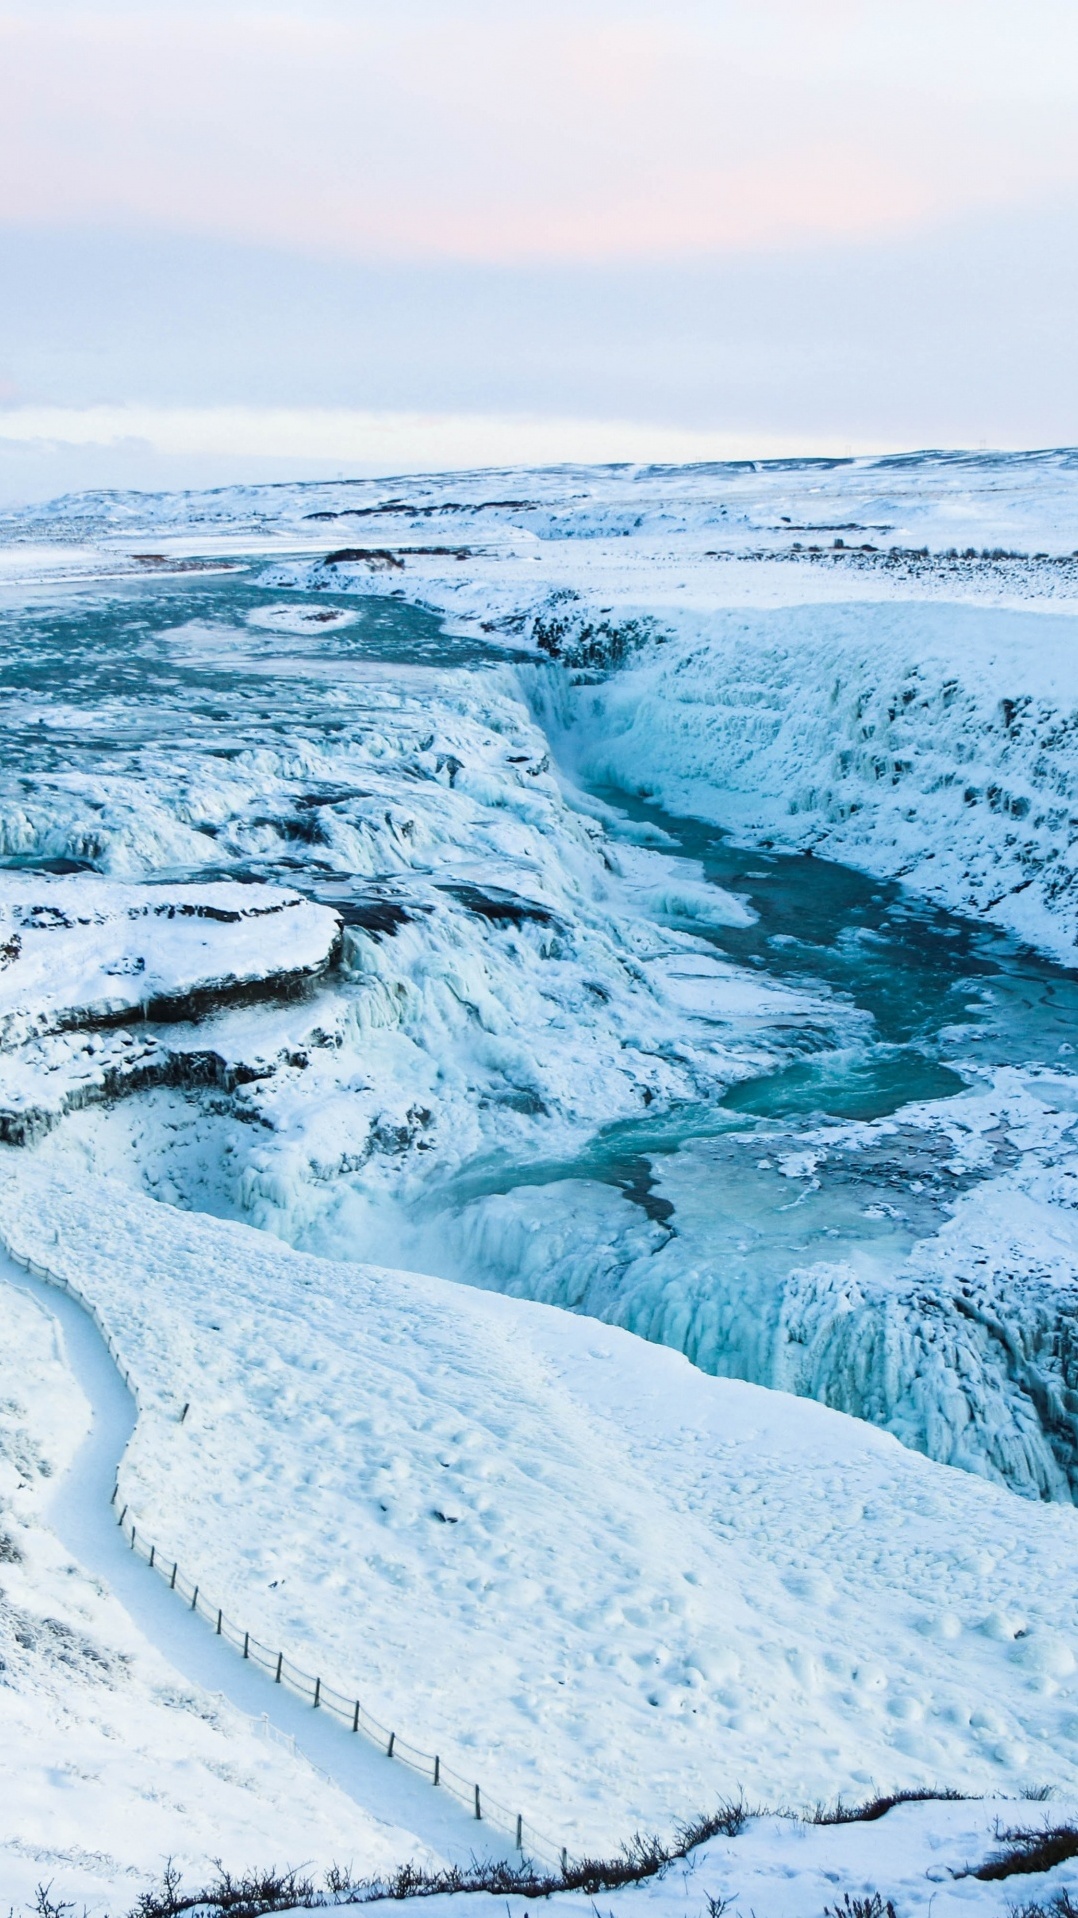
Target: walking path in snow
x=81 y=1515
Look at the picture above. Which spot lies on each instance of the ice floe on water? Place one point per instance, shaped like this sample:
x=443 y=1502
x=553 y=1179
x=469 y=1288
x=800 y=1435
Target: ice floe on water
x=650 y=893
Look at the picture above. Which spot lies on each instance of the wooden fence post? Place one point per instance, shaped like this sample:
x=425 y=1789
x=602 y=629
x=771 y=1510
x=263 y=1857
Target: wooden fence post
x=478 y=1812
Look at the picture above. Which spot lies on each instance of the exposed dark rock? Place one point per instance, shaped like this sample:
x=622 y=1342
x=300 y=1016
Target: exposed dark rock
x=376 y=556
x=380 y=917
x=185 y=1071
x=503 y=908
x=598 y=644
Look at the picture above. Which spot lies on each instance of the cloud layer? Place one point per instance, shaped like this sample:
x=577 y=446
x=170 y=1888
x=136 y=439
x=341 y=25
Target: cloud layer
x=265 y=236
x=538 y=131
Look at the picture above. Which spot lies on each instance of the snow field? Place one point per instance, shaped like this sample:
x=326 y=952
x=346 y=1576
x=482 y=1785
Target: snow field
x=109 y=1761
x=516 y=971
x=603 y=1583
x=610 y=1587
x=934 y=501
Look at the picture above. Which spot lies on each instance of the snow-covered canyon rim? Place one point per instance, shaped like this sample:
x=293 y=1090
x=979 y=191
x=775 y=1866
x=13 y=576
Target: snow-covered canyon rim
x=840 y=653
x=648 y=893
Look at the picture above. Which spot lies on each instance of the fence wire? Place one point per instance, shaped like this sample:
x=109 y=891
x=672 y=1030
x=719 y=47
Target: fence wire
x=350 y=1711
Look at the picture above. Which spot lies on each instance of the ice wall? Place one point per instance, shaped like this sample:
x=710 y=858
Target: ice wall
x=937 y=743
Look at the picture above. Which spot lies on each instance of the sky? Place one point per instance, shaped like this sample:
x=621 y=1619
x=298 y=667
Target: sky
x=244 y=241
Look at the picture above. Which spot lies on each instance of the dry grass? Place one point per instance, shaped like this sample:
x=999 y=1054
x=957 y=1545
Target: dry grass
x=261 y=1893
x=1029 y=1851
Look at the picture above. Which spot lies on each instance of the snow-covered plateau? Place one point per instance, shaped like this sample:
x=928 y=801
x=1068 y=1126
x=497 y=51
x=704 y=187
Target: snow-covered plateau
x=650 y=896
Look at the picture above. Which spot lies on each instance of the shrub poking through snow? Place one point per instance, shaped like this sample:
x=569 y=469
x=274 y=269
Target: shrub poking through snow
x=584 y=643
x=1062 y=1905
x=252 y=1896
x=262 y=1893
x=874 y=1808
x=1029 y=1851
x=870 y=1906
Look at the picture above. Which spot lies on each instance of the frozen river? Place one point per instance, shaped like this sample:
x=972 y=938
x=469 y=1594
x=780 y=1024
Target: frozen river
x=750 y=1198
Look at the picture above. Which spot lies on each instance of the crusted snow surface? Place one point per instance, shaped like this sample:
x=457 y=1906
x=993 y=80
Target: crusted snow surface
x=109 y=1761
x=612 y=1585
